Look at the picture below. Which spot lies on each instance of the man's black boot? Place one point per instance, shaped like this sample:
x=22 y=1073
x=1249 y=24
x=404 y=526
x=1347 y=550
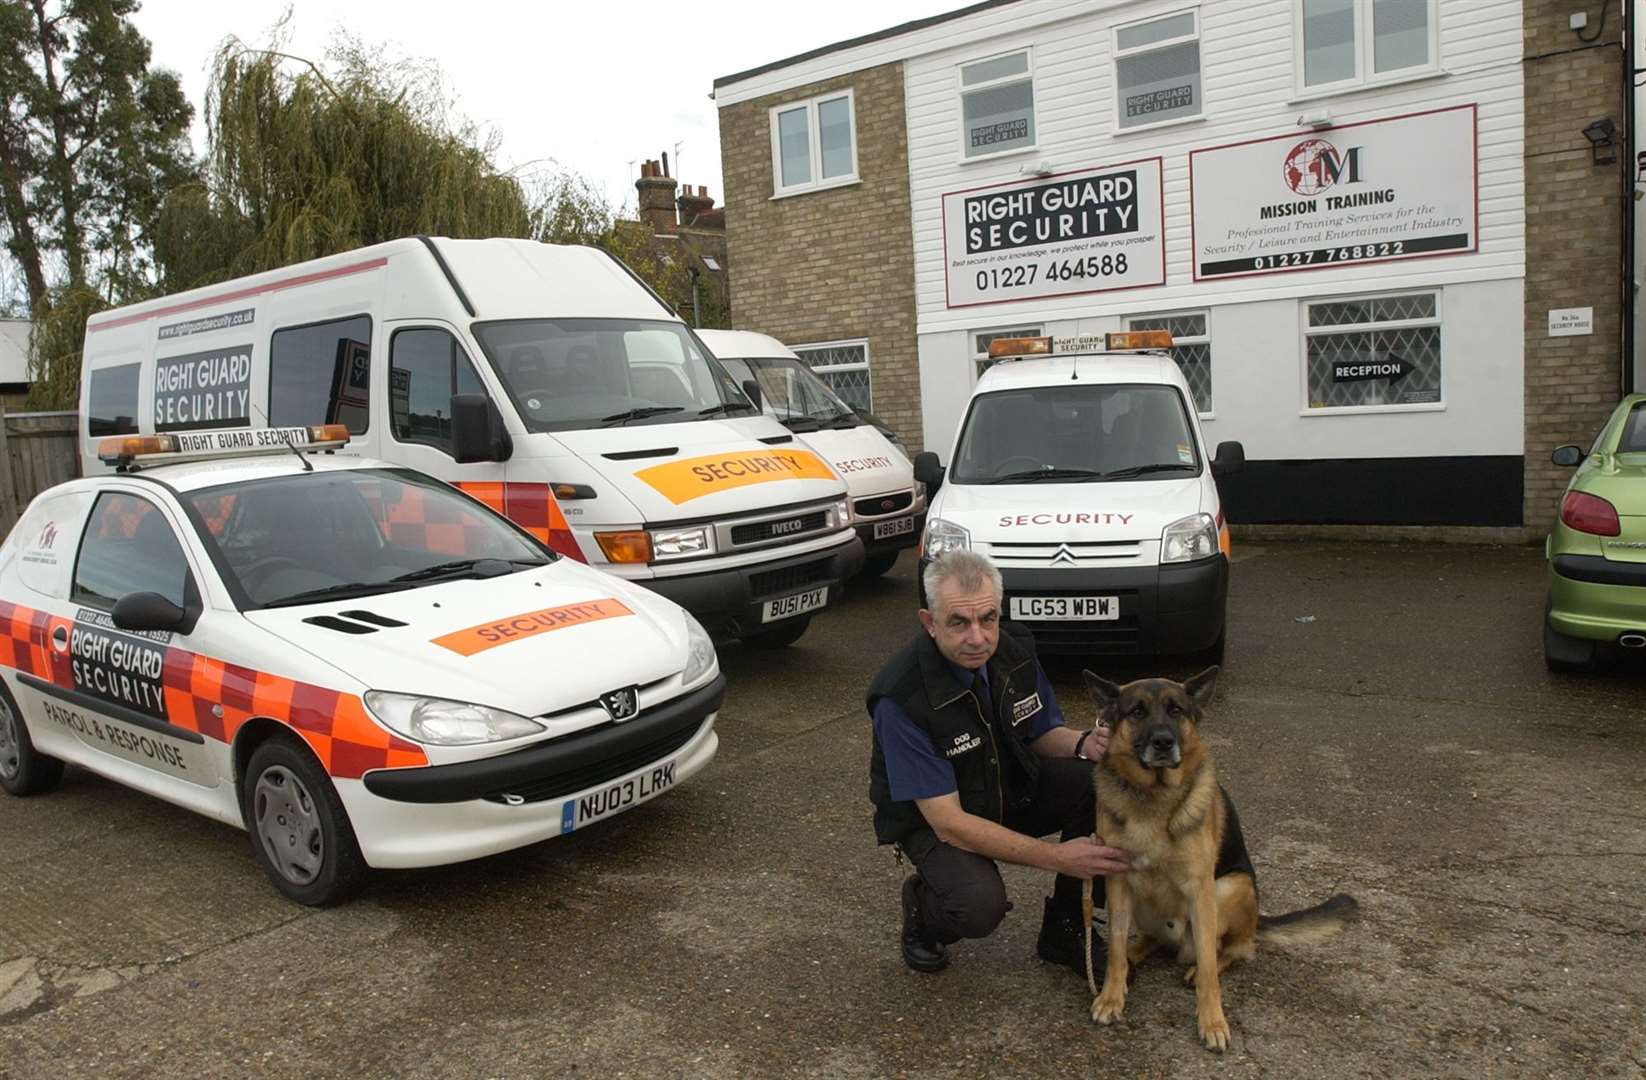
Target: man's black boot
x=1063 y=941
x=921 y=951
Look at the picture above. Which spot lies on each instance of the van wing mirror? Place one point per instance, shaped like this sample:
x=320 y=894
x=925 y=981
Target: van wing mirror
x=1230 y=459
x=477 y=430
x=751 y=387
x=928 y=471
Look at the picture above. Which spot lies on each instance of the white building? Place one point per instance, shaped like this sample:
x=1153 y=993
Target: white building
x=1325 y=201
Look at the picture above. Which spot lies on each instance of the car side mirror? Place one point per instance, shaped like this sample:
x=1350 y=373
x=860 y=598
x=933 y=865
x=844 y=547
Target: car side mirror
x=1230 y=459
x=147 y=611
x=928 y=471
x=477 y=430
x=752 y=388
x=1567 y=456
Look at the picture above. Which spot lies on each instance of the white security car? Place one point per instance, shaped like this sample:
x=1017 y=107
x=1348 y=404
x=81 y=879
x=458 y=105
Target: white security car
x=358 y=664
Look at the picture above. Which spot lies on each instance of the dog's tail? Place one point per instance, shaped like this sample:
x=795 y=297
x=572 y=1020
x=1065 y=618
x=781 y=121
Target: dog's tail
x=1310 y=925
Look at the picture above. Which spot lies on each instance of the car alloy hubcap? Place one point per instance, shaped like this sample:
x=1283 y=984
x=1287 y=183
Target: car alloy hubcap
x=288 y=824
x=11 y=751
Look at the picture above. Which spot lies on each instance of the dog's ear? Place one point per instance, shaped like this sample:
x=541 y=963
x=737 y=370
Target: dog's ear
x=1201 y=687
x=1105 y=694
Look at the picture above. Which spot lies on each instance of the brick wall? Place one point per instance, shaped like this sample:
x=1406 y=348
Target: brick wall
x=1574 y=230
x=833 y=264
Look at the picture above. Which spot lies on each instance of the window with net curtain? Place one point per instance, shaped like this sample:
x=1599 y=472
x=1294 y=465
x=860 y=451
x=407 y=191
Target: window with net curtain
x=1369 y=331
x=1157 y=70
x=997 y=105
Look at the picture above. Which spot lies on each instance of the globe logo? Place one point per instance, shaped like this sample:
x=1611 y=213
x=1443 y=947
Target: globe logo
x=1312 y=167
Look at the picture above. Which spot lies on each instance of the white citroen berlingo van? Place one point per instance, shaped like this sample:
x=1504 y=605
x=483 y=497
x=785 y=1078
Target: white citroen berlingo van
x=1080 y=468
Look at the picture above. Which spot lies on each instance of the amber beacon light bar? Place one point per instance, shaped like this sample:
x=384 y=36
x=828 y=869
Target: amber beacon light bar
x=125 y=451
x=1120 y=341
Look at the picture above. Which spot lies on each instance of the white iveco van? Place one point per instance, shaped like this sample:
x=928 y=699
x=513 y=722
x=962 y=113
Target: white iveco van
x=888 y=506
x=548 y=382
x=1081 y=470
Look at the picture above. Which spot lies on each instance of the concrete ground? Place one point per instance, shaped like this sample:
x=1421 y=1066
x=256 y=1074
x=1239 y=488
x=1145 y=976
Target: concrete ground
x=1384 y=724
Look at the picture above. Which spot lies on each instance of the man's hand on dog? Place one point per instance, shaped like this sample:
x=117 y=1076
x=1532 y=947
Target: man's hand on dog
x=1089 y=857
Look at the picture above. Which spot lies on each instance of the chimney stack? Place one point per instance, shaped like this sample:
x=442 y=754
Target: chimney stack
x=655 y=196
x=691 y=205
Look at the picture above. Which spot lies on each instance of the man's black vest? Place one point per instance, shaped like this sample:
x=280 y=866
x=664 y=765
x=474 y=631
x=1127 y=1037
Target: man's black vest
x=994 y=768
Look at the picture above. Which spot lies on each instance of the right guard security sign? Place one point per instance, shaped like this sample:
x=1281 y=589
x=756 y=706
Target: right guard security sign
x=203 y=390
x=1081 y=232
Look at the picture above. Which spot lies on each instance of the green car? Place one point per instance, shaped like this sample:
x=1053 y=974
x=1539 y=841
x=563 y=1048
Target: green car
x=1597 y=551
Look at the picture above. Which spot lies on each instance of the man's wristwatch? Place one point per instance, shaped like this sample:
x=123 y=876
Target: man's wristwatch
x=1080 y=745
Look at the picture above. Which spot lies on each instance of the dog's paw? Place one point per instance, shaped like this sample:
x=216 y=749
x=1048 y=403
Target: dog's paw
x=1189 y=974
x=1214 y=1032
x=1107 y=1007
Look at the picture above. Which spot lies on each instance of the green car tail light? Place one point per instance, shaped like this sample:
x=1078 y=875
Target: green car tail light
x=1591 y=514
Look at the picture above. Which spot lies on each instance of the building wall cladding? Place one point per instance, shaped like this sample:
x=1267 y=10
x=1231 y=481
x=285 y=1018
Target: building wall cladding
x=835 y=264
x=1574 y=224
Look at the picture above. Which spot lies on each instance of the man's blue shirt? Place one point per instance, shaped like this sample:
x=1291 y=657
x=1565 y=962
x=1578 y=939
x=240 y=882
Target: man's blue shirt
x=914 y=768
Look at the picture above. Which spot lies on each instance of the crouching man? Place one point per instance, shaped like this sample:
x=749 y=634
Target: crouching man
x=972 y=763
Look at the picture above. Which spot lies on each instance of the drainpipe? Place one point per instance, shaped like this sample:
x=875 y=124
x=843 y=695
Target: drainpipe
x=1629 y=212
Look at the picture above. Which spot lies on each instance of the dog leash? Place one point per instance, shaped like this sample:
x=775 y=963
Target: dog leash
x=1087 y=908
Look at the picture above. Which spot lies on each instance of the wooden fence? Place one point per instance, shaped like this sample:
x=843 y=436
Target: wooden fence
x=37 y=450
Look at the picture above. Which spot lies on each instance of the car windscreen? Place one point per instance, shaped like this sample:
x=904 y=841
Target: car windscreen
x=572 y=374
x=791 y=391
x=1633 y=439
x=1075 y=432
x=329 y=535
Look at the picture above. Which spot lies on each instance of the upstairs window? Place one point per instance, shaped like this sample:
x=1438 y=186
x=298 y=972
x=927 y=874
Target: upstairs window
x=814 y=144
x=997 y=105
x=1342 y=44
x=1157 y=70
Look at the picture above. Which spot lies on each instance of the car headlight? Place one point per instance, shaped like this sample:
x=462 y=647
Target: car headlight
x=700 y=654
x=447 y=723
x=919 y=494
x=842 y=513
x=674 y=543
x=1188 y=539
x=942 y=536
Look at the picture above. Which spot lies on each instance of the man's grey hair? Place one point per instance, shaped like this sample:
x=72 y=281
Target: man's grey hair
x=970 y=570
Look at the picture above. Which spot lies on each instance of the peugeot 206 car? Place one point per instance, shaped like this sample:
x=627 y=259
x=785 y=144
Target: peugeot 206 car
x=1597 y=550
x=362 y=667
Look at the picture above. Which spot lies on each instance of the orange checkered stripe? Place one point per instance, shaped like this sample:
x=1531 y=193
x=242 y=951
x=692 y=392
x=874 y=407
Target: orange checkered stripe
x=335 y=725
x=530 y=506
x=438 y=525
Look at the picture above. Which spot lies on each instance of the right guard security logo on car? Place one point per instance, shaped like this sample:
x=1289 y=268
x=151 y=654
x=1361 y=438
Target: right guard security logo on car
x=691 y=478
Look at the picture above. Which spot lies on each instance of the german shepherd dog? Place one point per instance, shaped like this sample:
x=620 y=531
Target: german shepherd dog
x=1192 y=886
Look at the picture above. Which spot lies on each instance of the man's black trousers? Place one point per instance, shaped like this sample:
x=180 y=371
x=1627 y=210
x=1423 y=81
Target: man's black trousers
x=961 y=894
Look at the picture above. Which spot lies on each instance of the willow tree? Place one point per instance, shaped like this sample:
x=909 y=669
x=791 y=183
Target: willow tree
x=305 y=159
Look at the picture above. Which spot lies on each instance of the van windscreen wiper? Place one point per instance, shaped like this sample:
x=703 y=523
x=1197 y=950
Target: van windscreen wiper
x=726 y=407
x=1033 y=476
x=639 y=414
x=1140 y=470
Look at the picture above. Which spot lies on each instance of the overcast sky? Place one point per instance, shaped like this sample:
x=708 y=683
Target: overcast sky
x=594 y=85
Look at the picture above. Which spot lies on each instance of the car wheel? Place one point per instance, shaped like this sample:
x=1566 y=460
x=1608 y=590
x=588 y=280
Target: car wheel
x=787 y=634
x=300 y=833
x=877 y=565
x=1562 y=653
x=23 y=769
